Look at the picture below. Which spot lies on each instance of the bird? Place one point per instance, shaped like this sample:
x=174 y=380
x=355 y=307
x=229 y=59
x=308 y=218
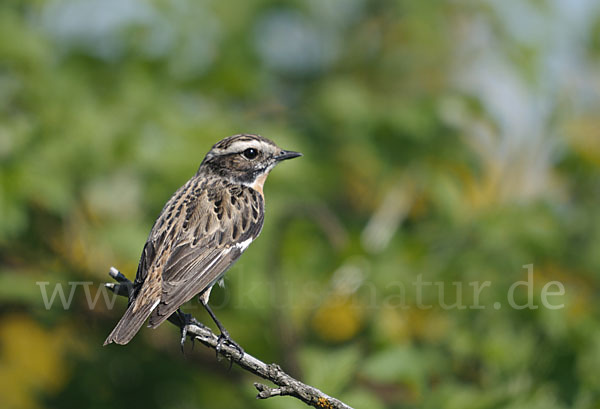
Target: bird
x=201 y=232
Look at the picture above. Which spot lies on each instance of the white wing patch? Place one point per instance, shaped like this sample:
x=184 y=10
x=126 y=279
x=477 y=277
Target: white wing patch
x=243 y=245
x=154 y=306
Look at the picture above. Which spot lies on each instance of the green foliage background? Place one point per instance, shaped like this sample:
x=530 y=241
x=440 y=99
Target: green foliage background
x=454 y=141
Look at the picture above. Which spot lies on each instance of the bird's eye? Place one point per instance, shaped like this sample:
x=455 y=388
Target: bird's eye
x=250 y=153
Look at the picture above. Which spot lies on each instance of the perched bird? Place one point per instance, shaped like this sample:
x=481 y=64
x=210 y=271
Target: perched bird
x=202 y=230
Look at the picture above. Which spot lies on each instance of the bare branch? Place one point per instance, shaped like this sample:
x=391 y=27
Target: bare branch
x=287 y=386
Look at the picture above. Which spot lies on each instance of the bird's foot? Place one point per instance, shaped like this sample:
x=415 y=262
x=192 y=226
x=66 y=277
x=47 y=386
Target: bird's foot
x=225 y=338
x=185 y=320
x=184 y=331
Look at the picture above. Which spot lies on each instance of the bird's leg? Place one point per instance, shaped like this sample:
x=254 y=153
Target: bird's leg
x=224 y=337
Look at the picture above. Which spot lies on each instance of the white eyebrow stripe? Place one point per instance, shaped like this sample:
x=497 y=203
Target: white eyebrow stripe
x=240 y=146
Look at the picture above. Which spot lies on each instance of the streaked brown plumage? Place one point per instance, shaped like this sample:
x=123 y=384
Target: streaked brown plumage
x=202 y=230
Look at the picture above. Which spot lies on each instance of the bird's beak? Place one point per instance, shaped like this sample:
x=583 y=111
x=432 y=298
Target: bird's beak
x=283 y=155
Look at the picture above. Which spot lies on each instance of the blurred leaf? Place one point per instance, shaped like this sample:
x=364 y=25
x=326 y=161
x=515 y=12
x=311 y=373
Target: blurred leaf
x=18 y=288
x=339 y=318
x=330 y=370
x=362 y=398
x=396 y=364
x=32 y=361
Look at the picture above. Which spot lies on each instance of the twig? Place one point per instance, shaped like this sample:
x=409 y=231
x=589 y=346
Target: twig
x=287 y=386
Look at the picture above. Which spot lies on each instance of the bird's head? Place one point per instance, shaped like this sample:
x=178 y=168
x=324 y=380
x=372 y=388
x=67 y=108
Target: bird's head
x=245 y=159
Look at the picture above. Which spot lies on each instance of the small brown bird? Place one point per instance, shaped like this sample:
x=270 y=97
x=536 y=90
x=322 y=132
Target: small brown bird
x=202 y=230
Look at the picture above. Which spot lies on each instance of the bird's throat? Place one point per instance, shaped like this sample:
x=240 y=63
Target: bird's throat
x=259 y=182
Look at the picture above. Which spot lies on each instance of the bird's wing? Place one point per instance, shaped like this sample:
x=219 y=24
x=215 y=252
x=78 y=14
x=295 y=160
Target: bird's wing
x=147 y=286
x=210 y=234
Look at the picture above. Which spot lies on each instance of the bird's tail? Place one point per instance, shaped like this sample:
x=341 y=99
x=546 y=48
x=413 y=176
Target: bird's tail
x=131 y=322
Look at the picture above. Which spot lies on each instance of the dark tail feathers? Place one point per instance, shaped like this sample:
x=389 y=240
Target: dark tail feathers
x=130 y=324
